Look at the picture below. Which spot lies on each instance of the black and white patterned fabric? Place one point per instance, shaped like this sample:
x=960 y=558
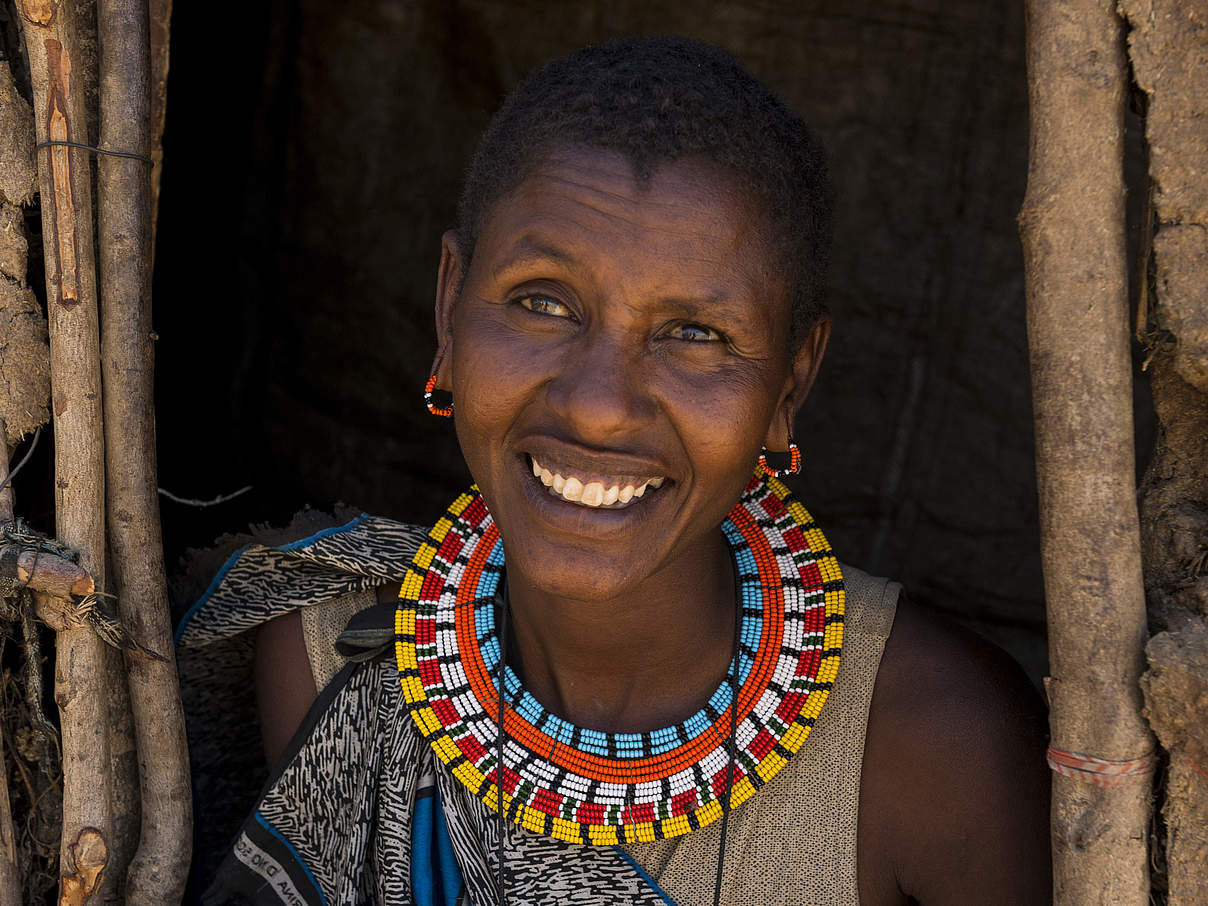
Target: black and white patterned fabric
x=345 y=817
x=258 y=582
x=214 y=652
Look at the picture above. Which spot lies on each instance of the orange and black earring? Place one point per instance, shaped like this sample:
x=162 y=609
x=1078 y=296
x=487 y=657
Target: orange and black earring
x=446 y=412
x=794 y=462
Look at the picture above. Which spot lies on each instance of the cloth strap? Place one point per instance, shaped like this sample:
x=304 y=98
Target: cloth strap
x=1099 y=771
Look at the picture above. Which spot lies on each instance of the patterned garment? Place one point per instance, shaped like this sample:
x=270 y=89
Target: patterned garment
x=359 y=810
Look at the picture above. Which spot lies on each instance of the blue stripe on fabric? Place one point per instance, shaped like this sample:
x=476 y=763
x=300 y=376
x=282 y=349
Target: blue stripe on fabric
x=641 y=873
x=423 y=891
x=326 y=533
x=213 y=587
x=435 y=875
x=234 y=558
x=450 y=872
x=264 y=822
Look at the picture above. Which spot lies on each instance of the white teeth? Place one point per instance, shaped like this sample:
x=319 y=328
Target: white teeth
x=593 y=493
x=573 y=490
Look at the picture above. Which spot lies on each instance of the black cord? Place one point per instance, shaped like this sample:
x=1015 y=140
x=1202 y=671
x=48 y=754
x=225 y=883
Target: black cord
x=95 y=150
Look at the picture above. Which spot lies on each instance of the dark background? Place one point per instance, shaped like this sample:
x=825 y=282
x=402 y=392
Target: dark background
x=313 y=155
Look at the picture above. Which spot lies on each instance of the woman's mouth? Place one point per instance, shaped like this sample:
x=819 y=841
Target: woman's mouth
x=591 y=491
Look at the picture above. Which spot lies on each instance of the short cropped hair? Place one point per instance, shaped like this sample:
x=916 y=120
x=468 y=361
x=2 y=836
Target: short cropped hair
x=657 y=100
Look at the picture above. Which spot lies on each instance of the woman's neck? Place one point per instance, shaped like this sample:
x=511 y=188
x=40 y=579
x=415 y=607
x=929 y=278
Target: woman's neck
x=642 y=661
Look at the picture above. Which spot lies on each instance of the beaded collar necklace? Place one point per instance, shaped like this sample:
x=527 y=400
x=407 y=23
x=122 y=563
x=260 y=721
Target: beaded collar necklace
x=586 y=786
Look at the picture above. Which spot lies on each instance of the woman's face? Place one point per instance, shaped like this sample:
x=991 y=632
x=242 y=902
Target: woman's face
x=626 y=346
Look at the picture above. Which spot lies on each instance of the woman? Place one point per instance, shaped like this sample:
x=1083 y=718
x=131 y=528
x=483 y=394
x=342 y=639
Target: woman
x=629 y=318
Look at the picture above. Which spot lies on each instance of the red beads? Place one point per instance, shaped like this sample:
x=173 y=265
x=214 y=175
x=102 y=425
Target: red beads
x=432 y=407
x=794 y=462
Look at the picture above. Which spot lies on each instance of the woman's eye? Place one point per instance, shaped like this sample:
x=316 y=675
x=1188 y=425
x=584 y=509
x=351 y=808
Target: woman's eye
x=693 y=333
x=544 y=305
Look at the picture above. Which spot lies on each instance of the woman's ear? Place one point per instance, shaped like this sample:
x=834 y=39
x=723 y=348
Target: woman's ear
x=802 y=373
x=448 y=281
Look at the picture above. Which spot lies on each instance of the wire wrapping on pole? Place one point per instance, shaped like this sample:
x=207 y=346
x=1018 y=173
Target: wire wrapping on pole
x=95 y=150
x=1101 y=772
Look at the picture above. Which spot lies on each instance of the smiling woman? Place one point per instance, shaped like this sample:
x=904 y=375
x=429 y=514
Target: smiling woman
x=620 y=334
x=626 y=667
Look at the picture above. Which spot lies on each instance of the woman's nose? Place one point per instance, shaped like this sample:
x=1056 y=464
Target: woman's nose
x=601 y=391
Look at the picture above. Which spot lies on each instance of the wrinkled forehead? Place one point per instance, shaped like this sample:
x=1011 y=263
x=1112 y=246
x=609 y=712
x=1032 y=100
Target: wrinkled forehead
x=689 y=186
x=686 y=224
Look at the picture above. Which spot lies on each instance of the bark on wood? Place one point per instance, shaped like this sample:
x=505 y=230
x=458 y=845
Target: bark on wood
x=50 y=575
x=84 y=873
x=1168 y=46
x=160 y=20
x=123 y=773
x=10 y=873
x=158 y=872
x=51 y=31
x=1072 y=226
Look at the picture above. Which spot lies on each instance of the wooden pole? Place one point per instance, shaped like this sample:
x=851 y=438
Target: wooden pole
x=1072 y=227
x=160 y=867
x=10 y=872
x=51 y=32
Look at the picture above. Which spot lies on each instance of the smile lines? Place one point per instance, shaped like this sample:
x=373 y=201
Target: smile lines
x=592 y=493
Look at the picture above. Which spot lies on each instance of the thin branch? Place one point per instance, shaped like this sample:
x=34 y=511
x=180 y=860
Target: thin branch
x=24 y=459
x=188 y=501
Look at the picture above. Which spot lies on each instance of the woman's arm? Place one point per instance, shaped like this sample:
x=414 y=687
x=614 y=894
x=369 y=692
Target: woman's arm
x=285 y=686
x=285 y=683
x=954 y=800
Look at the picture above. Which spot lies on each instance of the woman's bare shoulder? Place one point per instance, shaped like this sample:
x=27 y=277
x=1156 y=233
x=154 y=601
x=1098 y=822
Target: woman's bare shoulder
x=955 y=789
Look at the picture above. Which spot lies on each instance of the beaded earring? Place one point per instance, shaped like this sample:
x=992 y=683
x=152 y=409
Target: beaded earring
x=794 y=462
x=447 y=411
